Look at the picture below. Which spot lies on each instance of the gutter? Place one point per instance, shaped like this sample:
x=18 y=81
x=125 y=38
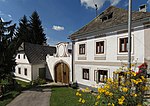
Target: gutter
x=73 y=60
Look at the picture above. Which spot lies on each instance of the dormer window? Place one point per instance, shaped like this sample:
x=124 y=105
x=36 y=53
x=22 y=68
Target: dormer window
x=110 y=15
x=104 y=18
x=107 y=16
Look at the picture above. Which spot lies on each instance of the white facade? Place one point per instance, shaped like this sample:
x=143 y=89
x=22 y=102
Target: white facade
x=22 y=65
x=112 y=58
x=61 y=56
x=32 y=70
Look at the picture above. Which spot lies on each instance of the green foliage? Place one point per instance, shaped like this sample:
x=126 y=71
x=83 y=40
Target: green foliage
x=23 y=31
x=74 y=85
x=38 y=81
x=37 y=29
x=31 y=30
x=8 y=97
x=7 y=48
x=23 y=84
x=128 y=90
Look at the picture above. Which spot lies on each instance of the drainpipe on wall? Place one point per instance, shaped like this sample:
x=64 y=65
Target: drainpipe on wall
x=73 y=42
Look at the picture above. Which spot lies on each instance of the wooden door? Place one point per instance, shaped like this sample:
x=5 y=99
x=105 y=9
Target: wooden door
x=62 y=73
x=58 y=75
x=65 y=74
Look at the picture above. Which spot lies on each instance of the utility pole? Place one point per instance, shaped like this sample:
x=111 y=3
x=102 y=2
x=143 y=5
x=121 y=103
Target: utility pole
x=129 y=32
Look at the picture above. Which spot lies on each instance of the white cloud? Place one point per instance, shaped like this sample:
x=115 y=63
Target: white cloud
x=9 y=15
x=91 y=3
x=126 y=4
x=58 y=28
x=100 y=3
x=114 y=2
x=5 y=16
x=148 y=2
x=3 y=0
x=1 y=13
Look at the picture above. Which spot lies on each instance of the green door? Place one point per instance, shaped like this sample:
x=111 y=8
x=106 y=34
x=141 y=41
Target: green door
x=42 y=73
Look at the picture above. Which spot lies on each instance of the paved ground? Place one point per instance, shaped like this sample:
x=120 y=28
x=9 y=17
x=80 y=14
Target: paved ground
x=34 y=97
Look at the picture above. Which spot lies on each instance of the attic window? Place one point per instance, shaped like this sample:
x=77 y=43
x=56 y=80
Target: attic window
x=110 y=16
x=107 y=16
x=104 y=18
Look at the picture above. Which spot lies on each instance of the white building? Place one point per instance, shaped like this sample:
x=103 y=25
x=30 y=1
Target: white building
x=31 y=61
x=46 y=62
x=60 y=64
x=100 y=47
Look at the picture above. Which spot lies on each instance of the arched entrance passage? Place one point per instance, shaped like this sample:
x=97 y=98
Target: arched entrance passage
x=62 y=73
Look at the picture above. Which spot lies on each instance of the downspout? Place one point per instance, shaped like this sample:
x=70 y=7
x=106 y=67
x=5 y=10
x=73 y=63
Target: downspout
x=73 y=42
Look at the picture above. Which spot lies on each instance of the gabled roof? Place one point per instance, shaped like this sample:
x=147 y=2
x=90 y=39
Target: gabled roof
x=36 y=54
x=119 y=16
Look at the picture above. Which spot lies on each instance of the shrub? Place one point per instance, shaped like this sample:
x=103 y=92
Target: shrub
x=74 y=85
x=127 y=91
x=38 y=81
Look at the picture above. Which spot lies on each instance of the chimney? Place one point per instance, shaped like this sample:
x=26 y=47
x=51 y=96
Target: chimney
x=143 y=8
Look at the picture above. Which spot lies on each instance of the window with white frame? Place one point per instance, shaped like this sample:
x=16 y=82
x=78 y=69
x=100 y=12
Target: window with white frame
x=18 y=56
x=19 y=70
x=100 y=47
x=85 y=73
x=101 y=75
x=24 y=56
x=25 y=71
x=123 y=44
x=82 y=49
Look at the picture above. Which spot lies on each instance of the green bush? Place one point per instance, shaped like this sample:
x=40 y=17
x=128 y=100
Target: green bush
x=39 y=81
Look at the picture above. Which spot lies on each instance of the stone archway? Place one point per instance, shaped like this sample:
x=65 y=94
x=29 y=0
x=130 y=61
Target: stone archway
x=62 y=73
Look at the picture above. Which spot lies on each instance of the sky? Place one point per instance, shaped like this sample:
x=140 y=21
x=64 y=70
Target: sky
x=61 y=18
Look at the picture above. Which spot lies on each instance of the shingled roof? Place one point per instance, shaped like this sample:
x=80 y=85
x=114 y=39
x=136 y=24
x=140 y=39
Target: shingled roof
x=111 y=17
x=36 y=54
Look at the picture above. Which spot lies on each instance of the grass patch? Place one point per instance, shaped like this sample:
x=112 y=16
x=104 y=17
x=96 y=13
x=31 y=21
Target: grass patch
x=64 y=96
x=8 y=97
x=23 y=84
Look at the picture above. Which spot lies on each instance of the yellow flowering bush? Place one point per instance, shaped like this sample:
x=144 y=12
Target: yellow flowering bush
x=127 y=91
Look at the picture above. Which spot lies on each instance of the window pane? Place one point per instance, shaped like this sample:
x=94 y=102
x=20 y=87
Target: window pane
x=82 y=49
x=99 y=47
x=86 y=74
x=19 y=70
x=123 y=45
x=19 y=56
x=102 y=75
x=25 y=71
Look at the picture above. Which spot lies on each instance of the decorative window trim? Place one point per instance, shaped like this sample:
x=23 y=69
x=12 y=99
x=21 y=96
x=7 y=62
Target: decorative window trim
x=132 y=44
x=99 y=76
x=100 y=47
x=120 y=77
x=82 y=55
x=124 y=42
x=105 y=47
x=82 y=49
x=85 y=73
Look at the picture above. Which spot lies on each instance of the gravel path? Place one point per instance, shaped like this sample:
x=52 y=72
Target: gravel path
x=33 y=97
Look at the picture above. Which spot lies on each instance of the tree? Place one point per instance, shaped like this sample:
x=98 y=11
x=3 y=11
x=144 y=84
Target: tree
x=7 y=51
x=23 y=31
x=38 y=36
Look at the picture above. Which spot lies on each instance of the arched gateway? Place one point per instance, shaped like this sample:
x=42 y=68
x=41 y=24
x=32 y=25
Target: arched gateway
x=62 y=73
